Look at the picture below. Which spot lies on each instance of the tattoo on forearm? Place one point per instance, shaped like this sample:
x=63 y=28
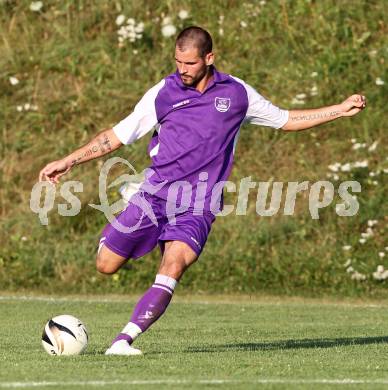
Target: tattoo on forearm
x=103 y=145
x=310 y=117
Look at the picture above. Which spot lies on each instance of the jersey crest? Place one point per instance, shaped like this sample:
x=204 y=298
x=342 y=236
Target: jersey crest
x=222 y=104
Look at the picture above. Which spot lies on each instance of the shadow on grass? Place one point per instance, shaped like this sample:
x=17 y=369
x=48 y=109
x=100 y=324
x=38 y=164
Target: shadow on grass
x=291 y=344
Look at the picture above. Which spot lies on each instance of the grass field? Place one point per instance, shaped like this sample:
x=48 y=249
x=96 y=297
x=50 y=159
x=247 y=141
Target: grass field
x=71 y=78
x=226 y=342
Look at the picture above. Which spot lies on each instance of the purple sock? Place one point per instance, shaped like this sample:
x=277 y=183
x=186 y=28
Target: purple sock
x=150 y=307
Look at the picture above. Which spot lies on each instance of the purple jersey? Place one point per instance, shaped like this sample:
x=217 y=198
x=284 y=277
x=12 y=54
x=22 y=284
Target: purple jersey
x=192 y=146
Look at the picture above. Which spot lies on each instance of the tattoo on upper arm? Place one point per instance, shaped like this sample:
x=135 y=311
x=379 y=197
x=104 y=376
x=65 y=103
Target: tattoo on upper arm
x=310 y=117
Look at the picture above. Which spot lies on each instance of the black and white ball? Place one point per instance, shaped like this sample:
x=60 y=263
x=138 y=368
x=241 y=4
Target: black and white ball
x=64 y=335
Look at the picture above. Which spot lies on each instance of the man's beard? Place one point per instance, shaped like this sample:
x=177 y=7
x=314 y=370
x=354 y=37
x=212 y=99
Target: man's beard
x=189 y=81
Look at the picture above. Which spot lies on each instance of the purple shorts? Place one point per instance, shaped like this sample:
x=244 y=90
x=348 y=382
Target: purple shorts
x=140 y=229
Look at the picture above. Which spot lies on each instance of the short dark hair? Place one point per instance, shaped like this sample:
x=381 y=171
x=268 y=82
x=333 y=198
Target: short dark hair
x=197 y=37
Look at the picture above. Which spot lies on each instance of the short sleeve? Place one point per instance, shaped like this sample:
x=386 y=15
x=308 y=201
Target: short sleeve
x=141 y=120
x=261 y=111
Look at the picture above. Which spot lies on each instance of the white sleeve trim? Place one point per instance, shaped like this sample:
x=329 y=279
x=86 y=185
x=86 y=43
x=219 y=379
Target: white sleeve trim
x=261 y=111
x=141 y=120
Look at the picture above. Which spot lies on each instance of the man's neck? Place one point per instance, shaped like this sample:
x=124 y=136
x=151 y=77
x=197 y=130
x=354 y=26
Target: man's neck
x=201 y=86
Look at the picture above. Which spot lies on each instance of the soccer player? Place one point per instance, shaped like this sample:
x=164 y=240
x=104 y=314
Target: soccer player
x=196 y=114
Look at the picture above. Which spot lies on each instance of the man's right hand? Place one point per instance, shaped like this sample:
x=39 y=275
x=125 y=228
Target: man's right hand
x=53 y=171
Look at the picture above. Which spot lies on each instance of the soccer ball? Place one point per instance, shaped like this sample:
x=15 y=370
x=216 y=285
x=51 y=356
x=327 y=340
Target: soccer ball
x=64 y=335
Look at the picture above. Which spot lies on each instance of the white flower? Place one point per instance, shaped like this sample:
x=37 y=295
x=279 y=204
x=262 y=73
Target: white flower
x=385 y=170
x=335 y=177
x=13 y=80
x=375 y=182
x=19 y=108
x=139 y=28
x=169 y=30
x=358 y=276
x=36 y=6
x=349 y=269
x=334 y=167
x=372 y=174
x=23 y=238
x=130 y=31
x=166 y=20
x=301 y=96
x=135 y=51
x=297 y=101
x=132 y=36
x=348 y=262
x=377 y=276
x=314 y=90
x=362 y=240
x=373 y=147
x=314 y=74
x=379 y=81
x=346 y=167
x=183 y=14
x=361 y=164
x=262 y=2
x=346 y=247
x=353 y=140
x=372 y=222
x=221 y=31
x=27 y=106
x=243 y=24
x=358 y=145
x=381 y=254
x=122 y=31
x=380 y=274
x=368 y=233
x=372 y=53
x=386 y=248
x=120 y=20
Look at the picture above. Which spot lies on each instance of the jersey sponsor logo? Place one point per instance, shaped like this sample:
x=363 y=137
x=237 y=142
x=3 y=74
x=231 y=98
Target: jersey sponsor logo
x=198 y=244
x=222 y=104
x=182 y=103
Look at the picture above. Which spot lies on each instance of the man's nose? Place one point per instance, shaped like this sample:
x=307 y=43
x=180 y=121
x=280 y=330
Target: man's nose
x=182 y=69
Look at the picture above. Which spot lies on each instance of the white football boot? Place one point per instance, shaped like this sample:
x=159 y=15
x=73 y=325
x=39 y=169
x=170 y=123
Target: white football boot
x=122 y=348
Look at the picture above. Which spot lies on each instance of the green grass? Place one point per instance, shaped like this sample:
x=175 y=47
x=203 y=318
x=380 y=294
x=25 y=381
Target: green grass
x=69 y=64
x=236 y=339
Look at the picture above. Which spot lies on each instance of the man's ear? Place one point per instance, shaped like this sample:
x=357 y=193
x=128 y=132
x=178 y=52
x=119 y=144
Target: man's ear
x=209 y=59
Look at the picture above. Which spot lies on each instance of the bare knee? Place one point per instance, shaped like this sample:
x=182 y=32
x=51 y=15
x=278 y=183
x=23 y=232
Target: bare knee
x=108 y=262
x=177 y=258
x=105 y=267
